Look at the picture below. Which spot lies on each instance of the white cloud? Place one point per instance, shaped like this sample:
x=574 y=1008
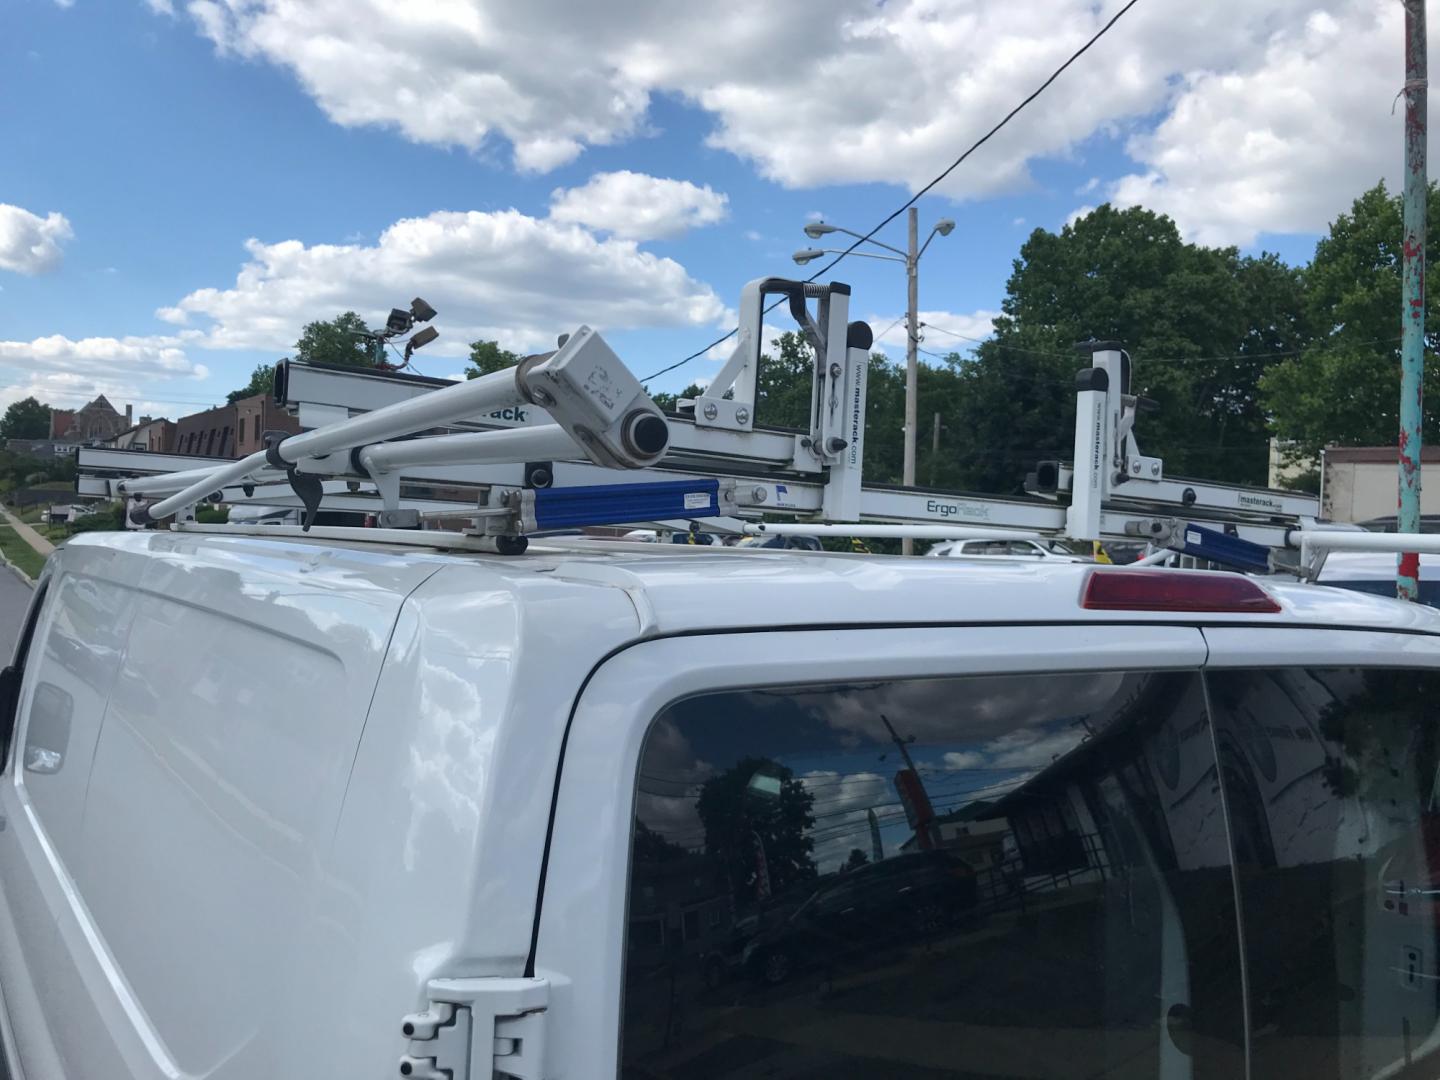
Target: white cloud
x=1078 y=213
x=919 y=79
x=768 y=334
x=30 y=244
x=1018 y=222
x=753 y=236
x=67 y=372
x=842 y=801
x=1272 y=115
x=1283 y=142
x=161 y=7
x=65 y=3
x=1090 y=185
x=501 y=276
x=634 y=206
x=961 y=760
x=972 y=328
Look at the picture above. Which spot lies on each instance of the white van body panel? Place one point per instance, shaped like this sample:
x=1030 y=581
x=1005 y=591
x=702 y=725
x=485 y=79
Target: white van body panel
x=242 y=853
x=215 y=696
x=300 y=778
x=436 y=862
x=580 y=946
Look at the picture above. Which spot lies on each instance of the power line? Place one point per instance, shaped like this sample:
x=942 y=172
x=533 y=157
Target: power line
x=928 y=187
x=1140 y=361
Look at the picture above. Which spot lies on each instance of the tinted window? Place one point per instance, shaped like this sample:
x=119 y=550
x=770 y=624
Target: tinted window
x=999 y=877
x=1330 y=783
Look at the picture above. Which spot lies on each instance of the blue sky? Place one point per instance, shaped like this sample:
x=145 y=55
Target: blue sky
x=368 y=151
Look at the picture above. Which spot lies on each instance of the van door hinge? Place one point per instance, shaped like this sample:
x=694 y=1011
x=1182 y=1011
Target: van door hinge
x=476 y=1028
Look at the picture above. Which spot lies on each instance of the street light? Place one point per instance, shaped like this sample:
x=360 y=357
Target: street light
x=911 y=259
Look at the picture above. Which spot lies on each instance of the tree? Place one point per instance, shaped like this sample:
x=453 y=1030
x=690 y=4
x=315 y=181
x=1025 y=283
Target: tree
x=342 y=340
x=1210 y=315
x=857 y=859
x=651 y=847
x=488 y=356
x=736 y=818
x=1345 y=387
x=25 y=419
x=262 y=381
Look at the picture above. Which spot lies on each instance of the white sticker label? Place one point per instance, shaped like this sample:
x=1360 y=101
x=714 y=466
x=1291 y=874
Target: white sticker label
x=695 y=500
x=1192 y=537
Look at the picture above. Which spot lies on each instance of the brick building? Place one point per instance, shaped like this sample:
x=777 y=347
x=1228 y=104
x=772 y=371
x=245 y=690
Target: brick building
x=206 y=434
x=92 y=423
x=154 y=434
x=256 y=415
x=231 y=431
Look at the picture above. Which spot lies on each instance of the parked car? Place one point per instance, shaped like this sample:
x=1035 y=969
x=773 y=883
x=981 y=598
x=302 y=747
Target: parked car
x=1050 y=551
x=907 y=897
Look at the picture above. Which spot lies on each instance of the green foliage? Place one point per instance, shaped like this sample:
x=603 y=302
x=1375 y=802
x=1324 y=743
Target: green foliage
x=262 y=381
x=21 y=470
x=212 y=515
x=857 y=859
x=488 y=356
x=342 y=340
x=1308 y=481
x=25 y=419
x=16 y=551
x=733 y=816
x=110 y=519
x=651 y=847
x=1127 y=276
x=1345 y=388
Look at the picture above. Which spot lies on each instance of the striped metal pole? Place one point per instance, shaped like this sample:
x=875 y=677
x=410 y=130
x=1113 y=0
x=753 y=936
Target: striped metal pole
x=1412 y=342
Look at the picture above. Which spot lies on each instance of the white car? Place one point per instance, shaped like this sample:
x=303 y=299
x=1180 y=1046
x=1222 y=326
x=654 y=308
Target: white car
x=1006 y=549
x=293 y=807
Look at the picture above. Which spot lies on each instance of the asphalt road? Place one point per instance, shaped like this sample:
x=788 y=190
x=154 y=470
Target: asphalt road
x=14 y=601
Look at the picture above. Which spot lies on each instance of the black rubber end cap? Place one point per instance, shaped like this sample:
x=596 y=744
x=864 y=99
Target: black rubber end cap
x=1092 y=378
x=650 y=434
x=858 y=335
x=140 y=516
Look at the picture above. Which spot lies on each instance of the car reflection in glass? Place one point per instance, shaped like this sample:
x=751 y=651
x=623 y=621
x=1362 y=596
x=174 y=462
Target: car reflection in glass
x=907 y=898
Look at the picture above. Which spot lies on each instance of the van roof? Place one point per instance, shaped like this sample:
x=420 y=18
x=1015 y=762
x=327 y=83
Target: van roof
x=679 y=589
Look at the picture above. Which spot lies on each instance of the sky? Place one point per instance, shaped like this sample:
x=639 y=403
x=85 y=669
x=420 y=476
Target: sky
x=184 y=185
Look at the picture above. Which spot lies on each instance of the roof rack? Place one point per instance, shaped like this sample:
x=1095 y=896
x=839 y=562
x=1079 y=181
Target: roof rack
x=536 y=448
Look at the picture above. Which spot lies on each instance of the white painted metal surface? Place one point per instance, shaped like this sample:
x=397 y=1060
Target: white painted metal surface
x=583 y=915
x=298 y=779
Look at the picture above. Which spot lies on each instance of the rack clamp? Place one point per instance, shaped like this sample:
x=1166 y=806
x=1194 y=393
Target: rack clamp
x=307 y=487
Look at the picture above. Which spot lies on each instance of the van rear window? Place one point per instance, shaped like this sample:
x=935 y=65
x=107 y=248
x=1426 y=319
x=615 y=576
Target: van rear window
x=1037 y=877
x=1330 y=787
x=993 y=876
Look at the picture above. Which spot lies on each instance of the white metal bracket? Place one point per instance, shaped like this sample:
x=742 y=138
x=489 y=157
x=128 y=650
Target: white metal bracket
x=478 y=1027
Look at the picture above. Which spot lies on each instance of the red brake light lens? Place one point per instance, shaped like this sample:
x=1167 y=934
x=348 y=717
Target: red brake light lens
x=1175 y=590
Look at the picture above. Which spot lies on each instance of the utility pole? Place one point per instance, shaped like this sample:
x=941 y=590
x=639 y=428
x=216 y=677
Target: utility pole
x=934 y=448
x=913 y=792
x=912 y=366
x=1412 y=315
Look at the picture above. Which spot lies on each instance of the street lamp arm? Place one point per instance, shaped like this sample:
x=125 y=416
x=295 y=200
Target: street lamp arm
x=869 y=240
x=864 y=255
x=933 y=233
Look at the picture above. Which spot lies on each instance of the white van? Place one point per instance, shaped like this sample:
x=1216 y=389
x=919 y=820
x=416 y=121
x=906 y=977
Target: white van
x=289 y=808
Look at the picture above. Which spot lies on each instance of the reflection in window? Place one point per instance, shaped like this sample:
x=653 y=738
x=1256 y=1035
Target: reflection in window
x=1001 y=877
x=1330 y=784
